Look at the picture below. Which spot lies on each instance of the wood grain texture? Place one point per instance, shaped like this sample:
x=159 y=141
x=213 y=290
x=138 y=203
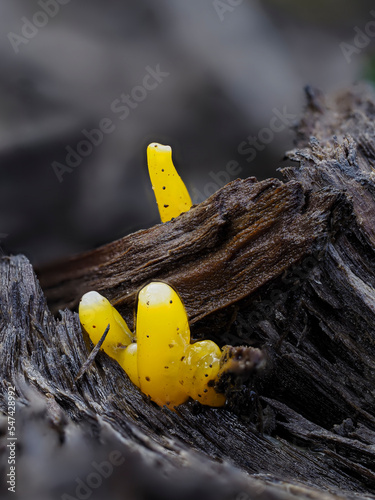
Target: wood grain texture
x=288 y=268
x=216 y=254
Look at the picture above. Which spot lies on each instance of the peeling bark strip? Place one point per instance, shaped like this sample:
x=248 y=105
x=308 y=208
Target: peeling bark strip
x=236 y=252
x=215 y=255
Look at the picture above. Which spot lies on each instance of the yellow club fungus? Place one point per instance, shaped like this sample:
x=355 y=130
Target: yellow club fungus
x=95 y=313
x=200 y=365
x=171 y=194
x=162 y=363
x=162 y=336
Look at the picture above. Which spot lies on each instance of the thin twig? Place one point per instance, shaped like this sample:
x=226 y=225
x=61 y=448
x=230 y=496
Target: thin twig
x=92 y=356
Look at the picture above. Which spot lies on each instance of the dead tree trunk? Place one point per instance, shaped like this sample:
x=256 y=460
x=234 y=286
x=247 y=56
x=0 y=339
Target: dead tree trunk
x=286 y=267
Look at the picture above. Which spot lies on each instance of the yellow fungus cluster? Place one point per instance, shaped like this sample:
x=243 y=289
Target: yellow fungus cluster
x=159 y=358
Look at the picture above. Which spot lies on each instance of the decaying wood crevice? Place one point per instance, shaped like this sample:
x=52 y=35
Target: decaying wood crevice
x=285 y=267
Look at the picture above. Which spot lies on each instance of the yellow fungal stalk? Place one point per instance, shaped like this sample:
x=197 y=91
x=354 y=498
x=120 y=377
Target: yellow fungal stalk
x=162 y=336
x=171 y=194
x=95 y=313
x=163 y=363
x=201 y=365
x=129 y=363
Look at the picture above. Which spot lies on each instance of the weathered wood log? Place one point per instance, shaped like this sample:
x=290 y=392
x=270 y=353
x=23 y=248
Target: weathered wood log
x=219 y=252
x=47 y=353
x=285 y=267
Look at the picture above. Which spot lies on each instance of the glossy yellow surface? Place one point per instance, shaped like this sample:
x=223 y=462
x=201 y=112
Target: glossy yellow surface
x=95 y=313
x=198 y=369
x=162 y=363
x=171 y=194
x=129 y=363
x=162 y=336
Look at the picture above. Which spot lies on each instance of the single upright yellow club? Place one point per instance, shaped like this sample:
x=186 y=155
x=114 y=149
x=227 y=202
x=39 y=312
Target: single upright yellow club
x=162 y=335
x=171 y=194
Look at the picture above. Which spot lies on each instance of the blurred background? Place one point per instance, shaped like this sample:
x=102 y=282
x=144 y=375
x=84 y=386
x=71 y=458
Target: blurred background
x=222 y=75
